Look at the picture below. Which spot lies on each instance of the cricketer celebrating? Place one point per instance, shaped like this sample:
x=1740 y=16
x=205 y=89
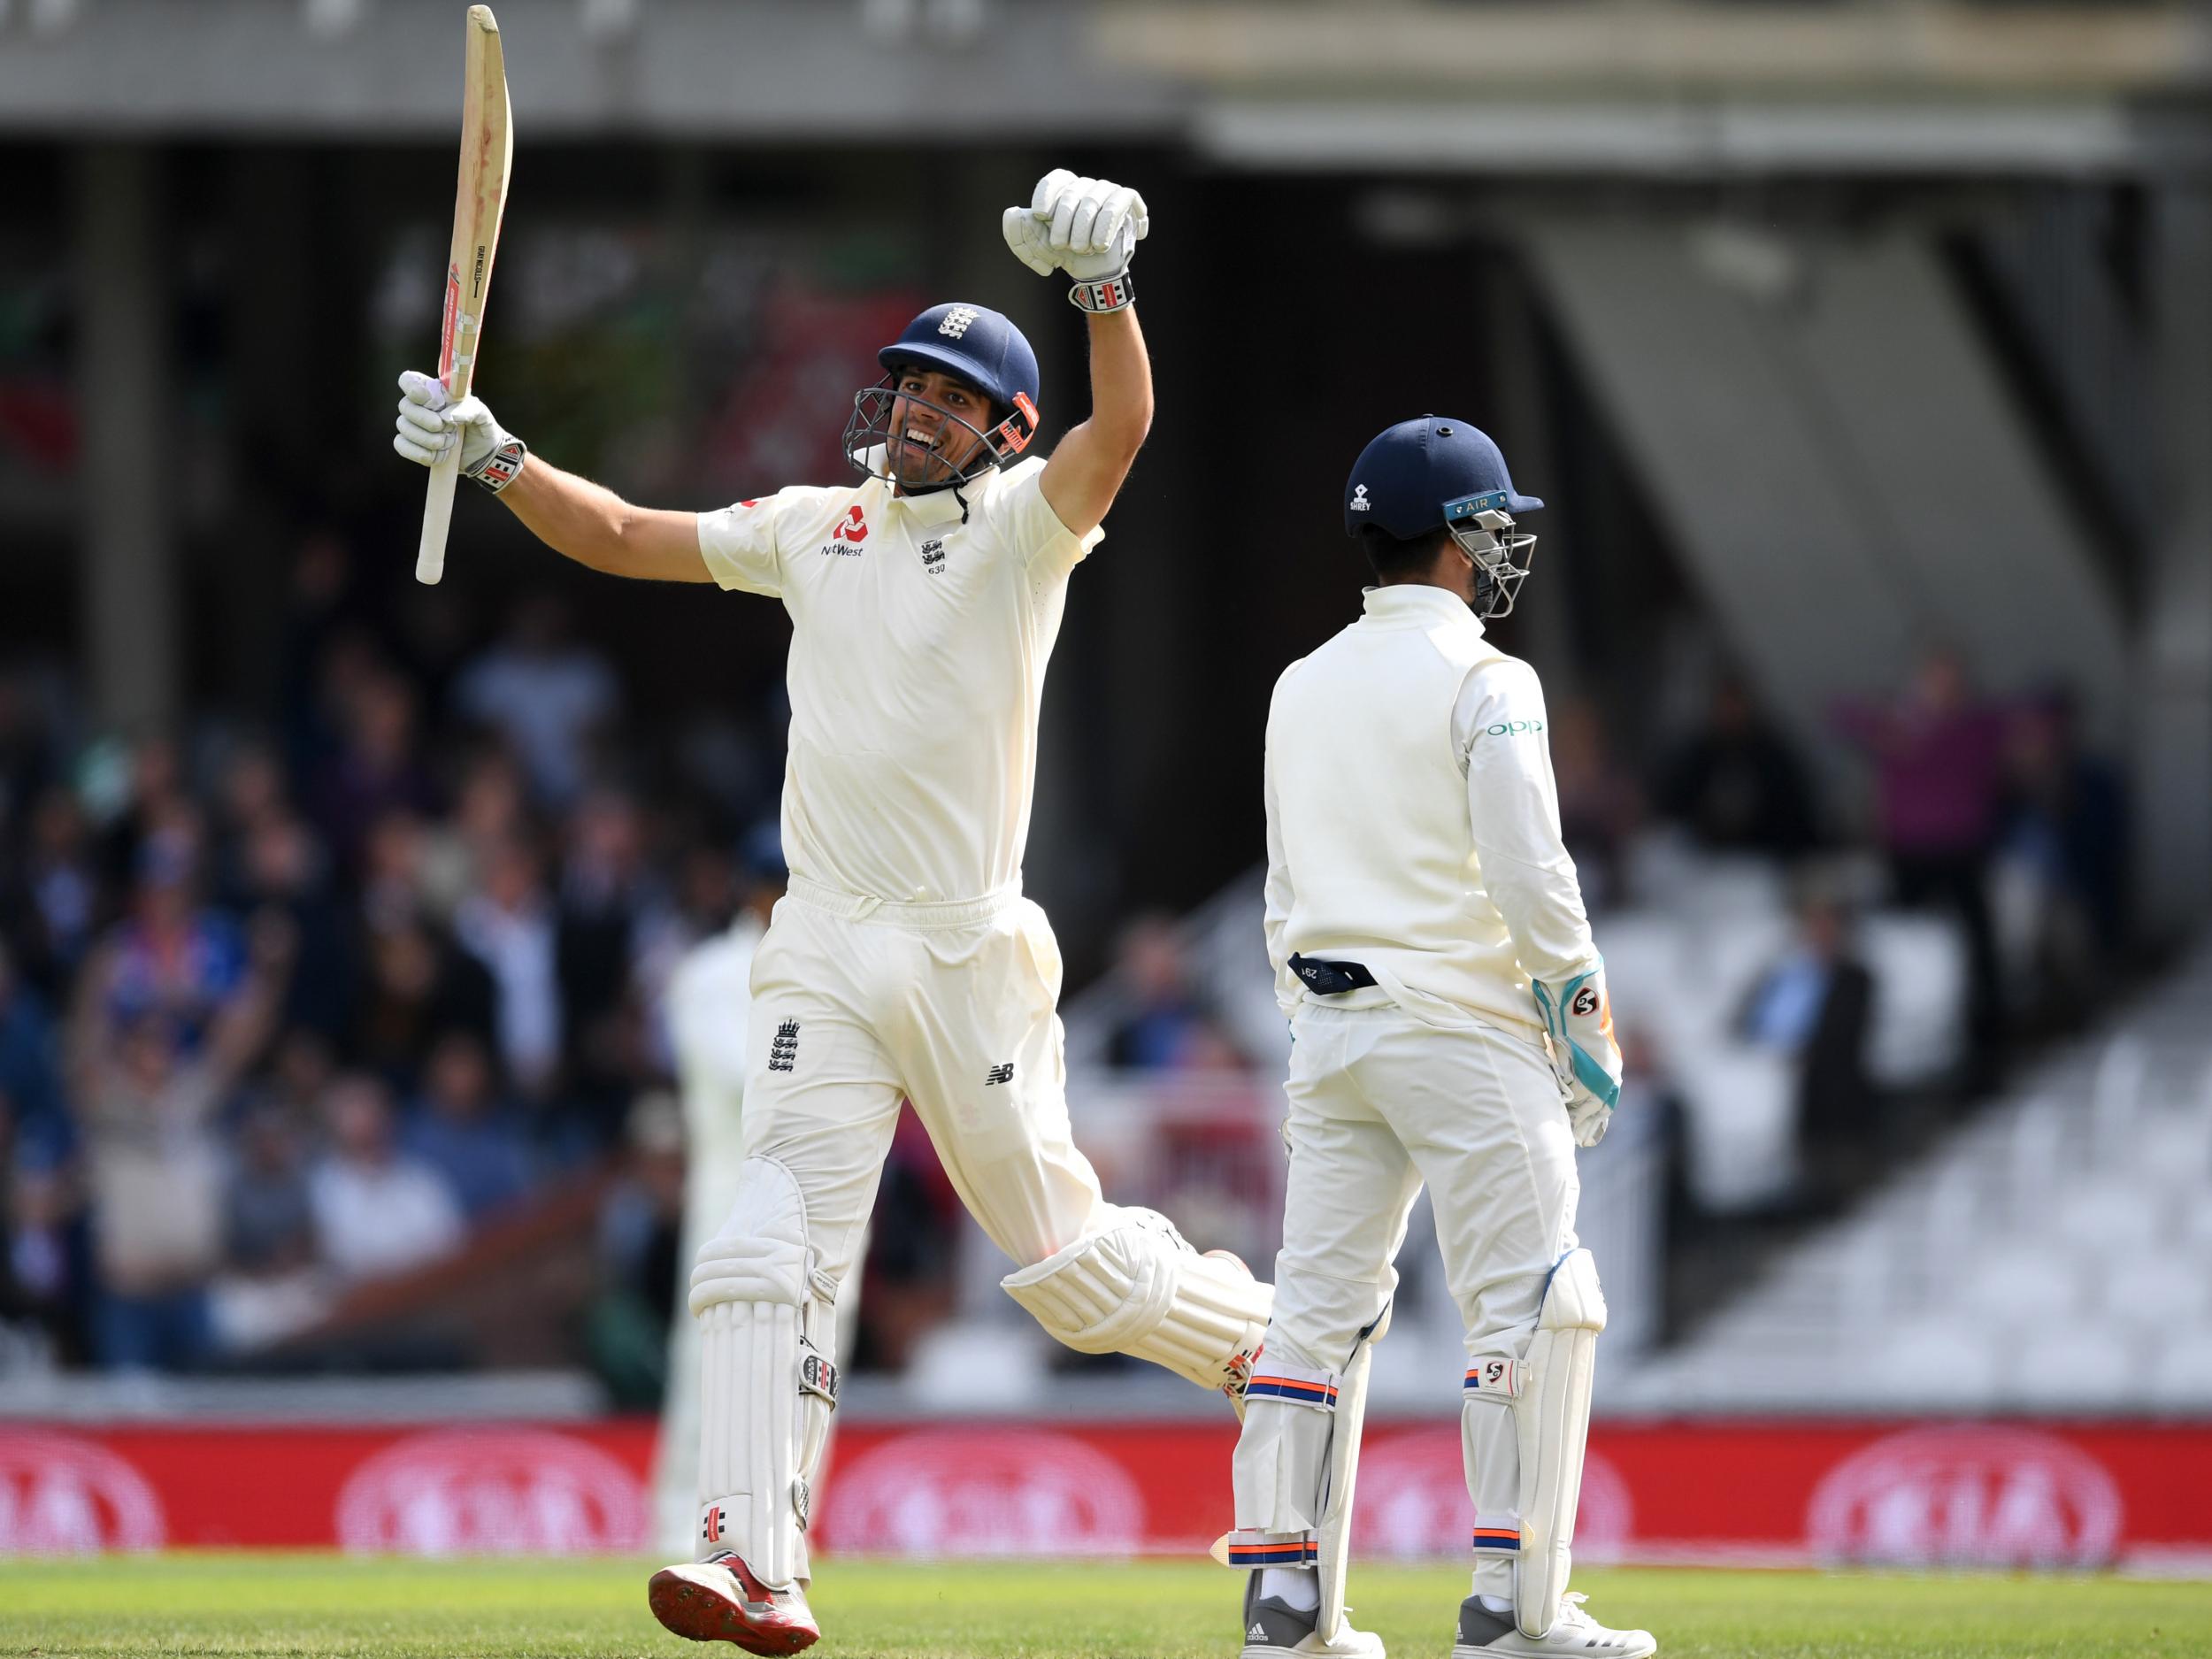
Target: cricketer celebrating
x=903 y=960
x=1451 y=1026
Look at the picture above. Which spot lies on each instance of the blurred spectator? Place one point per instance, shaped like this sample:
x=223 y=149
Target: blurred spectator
x=281 y=872
x=414 y=984
x=640 y=1234
x=377 y=1210
x=1598 y=803
x=607 y=904
x=508 y=927
x=1816 y=1004
x=170 y=958
x=1166 y=1025
x=26 y=756
x=268 y=1225
x=911 y=1274
x=373 y=768
x=153 y=797
x=51 y=903
x=546 y=695
x=1735 y=785
x=489 y=811
x=46 y=1270
x=2060 y=865
x=1939 y=756
x=30 y=1068
x=459 y=1127
x=154 y=1162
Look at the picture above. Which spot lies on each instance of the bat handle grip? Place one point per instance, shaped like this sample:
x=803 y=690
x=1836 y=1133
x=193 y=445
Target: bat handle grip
x=437 y=517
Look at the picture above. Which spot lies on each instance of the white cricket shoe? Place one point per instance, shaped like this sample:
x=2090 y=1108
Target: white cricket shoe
x=721 y=1599
x=1275 y=1630
x=1486 y=1635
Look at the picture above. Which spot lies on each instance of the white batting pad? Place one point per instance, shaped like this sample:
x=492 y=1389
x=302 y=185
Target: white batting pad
x=1551 y=1415
x=767 y=1381
x=1135 y=1286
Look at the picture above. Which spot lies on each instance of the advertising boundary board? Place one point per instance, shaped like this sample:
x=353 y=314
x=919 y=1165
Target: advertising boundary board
x=2010 y=1494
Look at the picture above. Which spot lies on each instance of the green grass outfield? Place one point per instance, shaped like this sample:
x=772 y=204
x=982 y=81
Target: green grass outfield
x=593 y=1609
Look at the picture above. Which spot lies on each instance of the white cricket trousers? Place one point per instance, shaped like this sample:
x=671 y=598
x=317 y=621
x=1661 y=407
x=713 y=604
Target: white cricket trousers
x=1381 y=1102
x=858 y=1005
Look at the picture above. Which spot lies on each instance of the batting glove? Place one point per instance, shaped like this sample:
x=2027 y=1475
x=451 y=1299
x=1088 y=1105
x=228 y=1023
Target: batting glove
x=1577 y=1016
x=430 y=423
x=1087 y=227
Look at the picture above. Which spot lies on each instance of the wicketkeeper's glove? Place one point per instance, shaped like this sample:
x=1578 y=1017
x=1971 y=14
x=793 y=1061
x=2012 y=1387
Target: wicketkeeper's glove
x=429 y=425
x=1087 y=227
x=1577 y=1016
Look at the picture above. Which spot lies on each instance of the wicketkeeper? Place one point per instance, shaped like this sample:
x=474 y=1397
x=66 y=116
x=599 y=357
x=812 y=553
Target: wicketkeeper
x=903 y=961
x=1451 y=1026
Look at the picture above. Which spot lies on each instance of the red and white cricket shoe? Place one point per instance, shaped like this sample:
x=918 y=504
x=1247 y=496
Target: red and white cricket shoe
x=720 y=1600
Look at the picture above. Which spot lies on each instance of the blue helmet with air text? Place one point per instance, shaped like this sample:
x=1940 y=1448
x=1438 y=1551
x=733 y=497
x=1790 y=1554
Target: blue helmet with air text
x=974 y=344
x=1438 y=474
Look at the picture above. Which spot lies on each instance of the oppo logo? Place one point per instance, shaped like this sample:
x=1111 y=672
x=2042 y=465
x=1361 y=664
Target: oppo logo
x=1967 y=1497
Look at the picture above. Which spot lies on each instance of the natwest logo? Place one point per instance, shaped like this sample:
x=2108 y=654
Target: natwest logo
x=1411 y=1503
x=491 y=1492
x=59 y=1494
x=1001 y=1492
x=1967 y=1496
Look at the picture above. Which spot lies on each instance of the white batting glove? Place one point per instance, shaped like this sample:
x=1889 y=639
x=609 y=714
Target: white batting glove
x=1087 y=227
x=1577 y=1016
x=429 y=425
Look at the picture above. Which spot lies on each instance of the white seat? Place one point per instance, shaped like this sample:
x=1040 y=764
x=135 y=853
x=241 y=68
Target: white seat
x=1929 y=1364
x=1919 y=1015
x=1741 y=1104
x=2154 y=1292
x=2021 y=1284
x=2180 y=1372
x=2114 y=1217
x=2073 y=1368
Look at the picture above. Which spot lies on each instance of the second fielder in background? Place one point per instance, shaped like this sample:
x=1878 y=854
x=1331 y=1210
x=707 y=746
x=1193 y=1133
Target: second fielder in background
x=1451 y=1026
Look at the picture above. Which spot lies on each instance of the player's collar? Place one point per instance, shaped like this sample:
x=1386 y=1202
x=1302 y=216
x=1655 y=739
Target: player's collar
x=941 y=506
x=1413 y=600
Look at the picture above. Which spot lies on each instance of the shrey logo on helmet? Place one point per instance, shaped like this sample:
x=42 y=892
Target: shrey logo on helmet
x=975 y=1491
x=491 y=1492
x=1359 y=498
x=1413 y=1503
x=1967 y=1496
x=62 y=1495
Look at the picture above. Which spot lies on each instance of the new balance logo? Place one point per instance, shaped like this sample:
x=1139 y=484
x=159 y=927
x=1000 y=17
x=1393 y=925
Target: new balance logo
x=785 y=1049
x=999 y=1074
x=956 y=321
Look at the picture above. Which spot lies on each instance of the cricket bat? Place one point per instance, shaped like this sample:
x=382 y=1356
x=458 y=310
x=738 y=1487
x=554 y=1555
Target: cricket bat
x=488 y=152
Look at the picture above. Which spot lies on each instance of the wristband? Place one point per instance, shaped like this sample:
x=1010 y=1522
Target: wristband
x=501 y=465
x=1104 y=295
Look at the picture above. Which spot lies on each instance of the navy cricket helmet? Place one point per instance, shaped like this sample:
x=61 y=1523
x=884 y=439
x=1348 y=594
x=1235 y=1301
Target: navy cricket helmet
x=1438 y=474
x=972 y=343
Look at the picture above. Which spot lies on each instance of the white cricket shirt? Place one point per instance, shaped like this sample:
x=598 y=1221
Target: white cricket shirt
x=1412 y=817
x=917 y=670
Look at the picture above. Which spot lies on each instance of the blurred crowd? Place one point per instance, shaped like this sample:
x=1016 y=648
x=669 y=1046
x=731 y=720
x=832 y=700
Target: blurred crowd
x=292 y=1005
x=326 y=1000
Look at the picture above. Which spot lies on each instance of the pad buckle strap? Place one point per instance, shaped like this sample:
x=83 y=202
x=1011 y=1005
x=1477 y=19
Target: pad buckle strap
x=1293 y=1385
x=818 y=1377
x=1496 y=1379
x=1106 y=293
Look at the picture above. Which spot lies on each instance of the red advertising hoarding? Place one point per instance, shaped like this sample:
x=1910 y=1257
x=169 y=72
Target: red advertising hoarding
x=1940 y=1493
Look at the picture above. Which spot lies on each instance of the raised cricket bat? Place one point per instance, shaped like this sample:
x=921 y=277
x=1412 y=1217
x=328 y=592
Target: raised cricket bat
x=487 y=151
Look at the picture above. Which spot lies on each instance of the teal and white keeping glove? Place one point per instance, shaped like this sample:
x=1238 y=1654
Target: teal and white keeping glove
x=430 y=423
x=1577 y=1016
x=1087 y=227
